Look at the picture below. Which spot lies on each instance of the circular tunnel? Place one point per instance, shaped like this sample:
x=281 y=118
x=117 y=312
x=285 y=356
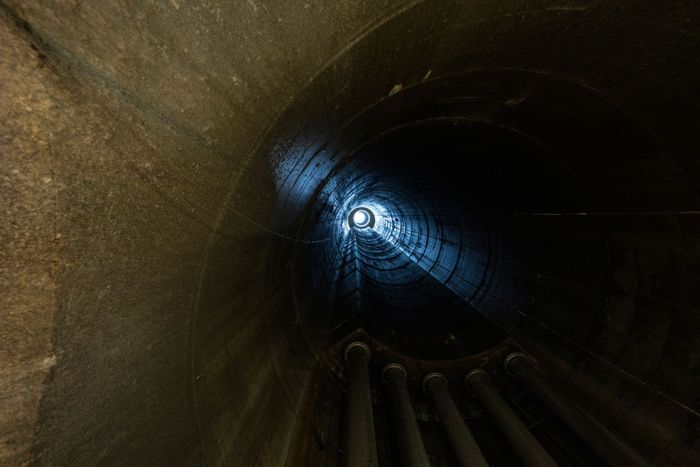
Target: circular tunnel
x=456 y=200
x=235 y=189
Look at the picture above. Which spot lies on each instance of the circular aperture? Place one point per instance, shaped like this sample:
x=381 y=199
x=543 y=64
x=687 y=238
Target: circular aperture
x=419 y=277
x=361 y=218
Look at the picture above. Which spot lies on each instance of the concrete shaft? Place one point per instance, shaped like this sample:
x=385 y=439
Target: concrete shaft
x=467 y=451
x=173 y=182
x=524 y=443
x=410 y=448
x=605 y=443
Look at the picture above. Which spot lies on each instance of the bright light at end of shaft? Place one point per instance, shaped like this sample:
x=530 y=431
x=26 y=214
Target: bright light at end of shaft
x=361 y=218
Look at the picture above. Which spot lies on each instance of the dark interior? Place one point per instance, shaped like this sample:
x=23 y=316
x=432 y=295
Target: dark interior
x=178 y=275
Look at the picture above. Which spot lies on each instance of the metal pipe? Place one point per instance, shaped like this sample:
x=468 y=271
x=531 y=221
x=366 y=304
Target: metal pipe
x=602 y=441
x=411 y=448
x=463 y=443
x=522 y=440
x=359 y=440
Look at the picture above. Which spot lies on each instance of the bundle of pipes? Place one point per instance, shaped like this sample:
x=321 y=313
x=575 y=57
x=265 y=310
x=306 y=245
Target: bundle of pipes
x=360 y=446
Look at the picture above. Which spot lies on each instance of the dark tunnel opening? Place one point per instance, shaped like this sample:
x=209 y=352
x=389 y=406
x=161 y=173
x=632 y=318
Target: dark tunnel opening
x=474 y=188
x=211 y=202
x=421 y=278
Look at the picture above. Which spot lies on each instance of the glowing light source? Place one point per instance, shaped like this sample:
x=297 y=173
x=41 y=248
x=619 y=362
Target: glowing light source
x=361 y=218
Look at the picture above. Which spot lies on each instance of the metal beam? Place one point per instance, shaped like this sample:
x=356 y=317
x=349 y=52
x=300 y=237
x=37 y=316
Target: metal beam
x=410 y=442
x=524 y=443
x=601 y=440
x=360 y=446
x=463 y=443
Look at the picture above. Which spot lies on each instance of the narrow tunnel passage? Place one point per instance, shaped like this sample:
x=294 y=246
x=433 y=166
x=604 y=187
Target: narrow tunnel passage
x=209 y=201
